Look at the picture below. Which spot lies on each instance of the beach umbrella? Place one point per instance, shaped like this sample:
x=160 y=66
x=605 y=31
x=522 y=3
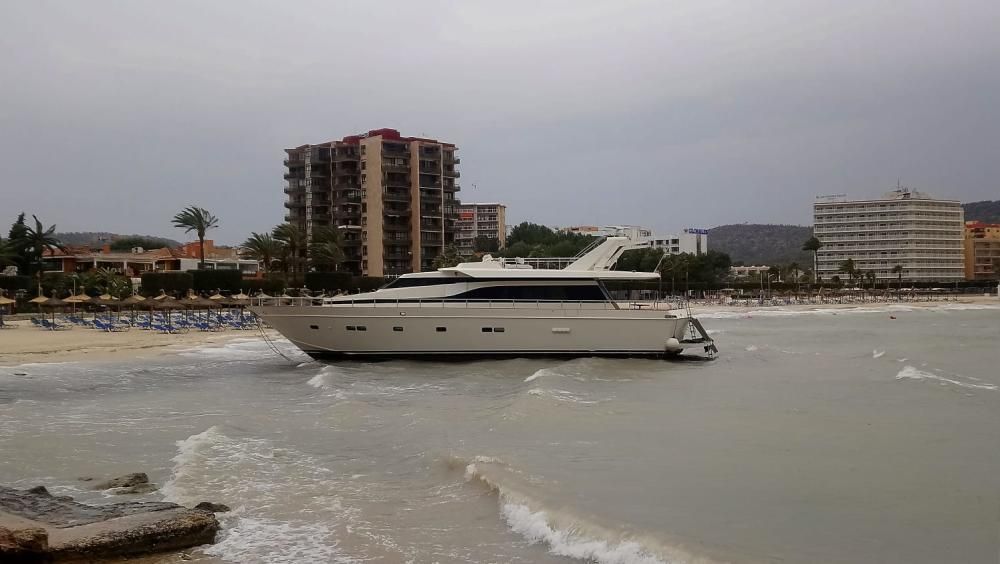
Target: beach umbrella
x=216 y=296
x=54 y=303
x=167 y=304
x=106 y=300
x=38 y=300
x=163 y=295
x=241 y=297
x=132 y=302
x=4 y=302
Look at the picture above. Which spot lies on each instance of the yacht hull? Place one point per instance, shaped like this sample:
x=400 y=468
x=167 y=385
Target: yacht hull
x=399 y=331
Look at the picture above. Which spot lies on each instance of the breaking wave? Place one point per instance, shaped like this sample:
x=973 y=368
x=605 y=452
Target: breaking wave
x=911 y=373
x=255 y=478
x=565 y=533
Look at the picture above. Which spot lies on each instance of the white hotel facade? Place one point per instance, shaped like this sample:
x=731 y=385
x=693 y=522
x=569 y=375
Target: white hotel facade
x=904 y=227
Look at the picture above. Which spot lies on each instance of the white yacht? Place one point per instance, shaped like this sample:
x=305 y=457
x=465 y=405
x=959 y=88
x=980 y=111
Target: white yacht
x=493 y=308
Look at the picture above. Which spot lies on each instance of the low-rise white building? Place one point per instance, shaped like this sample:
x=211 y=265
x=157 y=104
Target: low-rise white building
x=691 y=241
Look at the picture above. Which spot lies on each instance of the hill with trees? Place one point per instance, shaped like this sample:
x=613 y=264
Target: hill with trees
x=987 y=211
x=753 y=243
x=96 y=239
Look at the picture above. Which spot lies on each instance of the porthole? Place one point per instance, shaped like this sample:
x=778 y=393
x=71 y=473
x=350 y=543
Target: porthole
x=440 y=329
x=487 y=329
x=398 y=329
x=362 y=328
x=498 y=329
x=314 y=326
x=351 y=328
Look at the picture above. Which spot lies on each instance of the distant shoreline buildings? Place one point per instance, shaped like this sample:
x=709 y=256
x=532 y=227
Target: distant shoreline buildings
x=480 y=220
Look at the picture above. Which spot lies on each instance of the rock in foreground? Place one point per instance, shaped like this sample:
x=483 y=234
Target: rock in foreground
x=36 y=527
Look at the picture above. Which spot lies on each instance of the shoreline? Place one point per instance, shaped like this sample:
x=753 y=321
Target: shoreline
x=27 y=344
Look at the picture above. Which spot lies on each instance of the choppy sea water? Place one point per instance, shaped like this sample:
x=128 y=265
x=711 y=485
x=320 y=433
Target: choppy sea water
x=832 y=436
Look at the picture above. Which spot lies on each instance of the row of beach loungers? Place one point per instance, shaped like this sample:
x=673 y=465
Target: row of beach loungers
x=175 y=323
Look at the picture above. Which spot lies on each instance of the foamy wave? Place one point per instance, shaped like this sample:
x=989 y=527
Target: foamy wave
x=534 y=526
x=800 y=310
x=563 y=396
x=565 y=534
x=751 y=348
x=258 y=479
x=259 y=540
x=243 y=348
x=877 y=353
x=911 y=373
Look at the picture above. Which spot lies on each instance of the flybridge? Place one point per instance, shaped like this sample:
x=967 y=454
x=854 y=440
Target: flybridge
x=594 y=262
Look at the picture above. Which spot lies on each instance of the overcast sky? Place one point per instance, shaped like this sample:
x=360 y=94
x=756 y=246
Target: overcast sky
x=115 y=115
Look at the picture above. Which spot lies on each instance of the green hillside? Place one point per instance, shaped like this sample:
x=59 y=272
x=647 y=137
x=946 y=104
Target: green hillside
x=753 y=243
x=987 y=211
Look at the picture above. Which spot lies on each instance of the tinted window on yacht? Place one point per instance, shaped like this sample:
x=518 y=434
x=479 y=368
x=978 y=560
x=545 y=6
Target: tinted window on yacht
x=532 y=293
x=413 y=282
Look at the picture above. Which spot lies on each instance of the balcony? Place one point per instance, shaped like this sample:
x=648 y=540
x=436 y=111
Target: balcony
x=396 y=211
x=344 y=199
x=346 y=172
x=395 y=255
x=294 y=189
x=297 y=175
x=295 y=204
x=400 y=240
x=392 y=167
x=346 y=157
x=396 y=181
x=351 y=243
x=294 y=162
x=396 y=196
x=322 y=217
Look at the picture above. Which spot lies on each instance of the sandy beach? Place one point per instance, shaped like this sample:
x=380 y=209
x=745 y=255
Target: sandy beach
x=27 y=343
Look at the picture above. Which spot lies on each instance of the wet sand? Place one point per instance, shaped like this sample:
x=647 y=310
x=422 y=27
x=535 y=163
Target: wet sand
x=27 y=343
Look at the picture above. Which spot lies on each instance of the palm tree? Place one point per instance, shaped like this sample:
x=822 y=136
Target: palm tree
x=870 y=276
x=325 y=251
x=295 y=242
x=199 y=220
x=263 y=248
x=449 y=257
x=36 y=241
x=898 y=271
x=848 y=268
x=794 y=268
x=7 y=254
x=814 y=245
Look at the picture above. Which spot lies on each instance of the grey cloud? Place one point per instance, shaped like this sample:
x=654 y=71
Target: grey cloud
x=116 y=114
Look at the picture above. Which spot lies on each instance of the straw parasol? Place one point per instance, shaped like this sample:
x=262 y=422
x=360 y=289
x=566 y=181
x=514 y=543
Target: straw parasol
x=38 y=300
x=54 y=303
x=241 y=297
x=4 y=302
x=216 y=296
x=165 y=303
x=108 y=301
x=132 y=302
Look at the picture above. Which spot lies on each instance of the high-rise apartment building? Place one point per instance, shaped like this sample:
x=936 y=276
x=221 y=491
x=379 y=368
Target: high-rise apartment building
x=982 y=250
x=904 y=227
x=480 y=220
x=392 y=197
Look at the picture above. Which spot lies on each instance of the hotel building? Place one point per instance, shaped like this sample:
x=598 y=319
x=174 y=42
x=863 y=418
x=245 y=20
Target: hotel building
x=480 y=220
x=393 y=197
x=904 y=227
x=982 y=250
x=691 y=241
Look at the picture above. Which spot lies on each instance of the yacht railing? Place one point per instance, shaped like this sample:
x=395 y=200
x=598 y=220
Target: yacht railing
x=446 y=303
